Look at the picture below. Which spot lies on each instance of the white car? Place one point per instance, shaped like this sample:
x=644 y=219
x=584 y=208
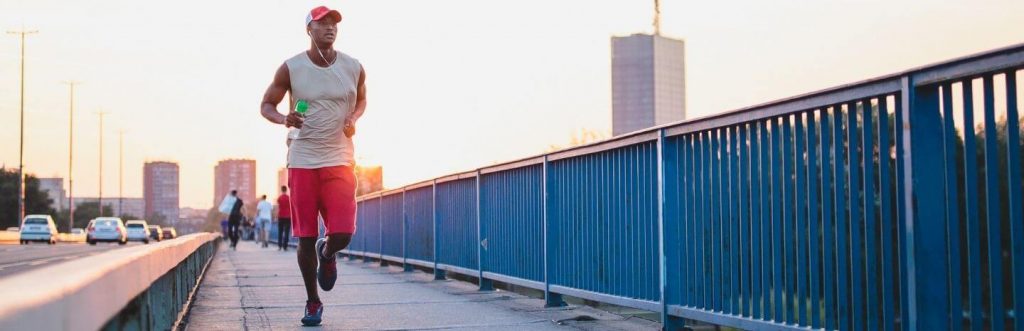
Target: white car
x=76 y=235
x=39 y=228
x=138 y=230
x=106 y=229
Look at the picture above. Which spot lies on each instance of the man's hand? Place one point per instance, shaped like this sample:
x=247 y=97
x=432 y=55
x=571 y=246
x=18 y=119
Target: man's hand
x=293 y=120
x=350 y=128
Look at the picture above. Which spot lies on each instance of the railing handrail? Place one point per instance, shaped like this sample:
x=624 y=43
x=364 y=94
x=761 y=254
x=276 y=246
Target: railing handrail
x=84 y=294
x=960 y=67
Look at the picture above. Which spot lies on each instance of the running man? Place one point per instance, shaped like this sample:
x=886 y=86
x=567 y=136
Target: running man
x=320 y=158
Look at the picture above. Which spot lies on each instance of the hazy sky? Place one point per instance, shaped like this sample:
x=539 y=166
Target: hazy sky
x=452 y=85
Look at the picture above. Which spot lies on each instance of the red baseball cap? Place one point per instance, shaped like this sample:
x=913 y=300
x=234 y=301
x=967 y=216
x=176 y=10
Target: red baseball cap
x=320 y=12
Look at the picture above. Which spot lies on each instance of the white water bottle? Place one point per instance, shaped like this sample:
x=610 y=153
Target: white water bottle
x=300 y=107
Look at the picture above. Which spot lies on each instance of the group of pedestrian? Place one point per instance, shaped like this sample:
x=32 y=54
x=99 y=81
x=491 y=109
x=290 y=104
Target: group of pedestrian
x=236 y=222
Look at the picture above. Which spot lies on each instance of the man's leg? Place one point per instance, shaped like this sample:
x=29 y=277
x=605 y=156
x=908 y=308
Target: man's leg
x=307 y=258
x=264 y=231
x=305 y=207
x=337 y=192
x=335 y=243
x=280 y=234
x=233 y=233
x=287 y=233
x=338 y=189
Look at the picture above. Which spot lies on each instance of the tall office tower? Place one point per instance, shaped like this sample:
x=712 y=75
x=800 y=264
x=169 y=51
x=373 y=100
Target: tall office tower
x=648 y=82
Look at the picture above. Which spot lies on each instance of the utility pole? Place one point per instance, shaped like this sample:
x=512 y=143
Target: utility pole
x=120 y=173
x=101 y=113
x=21 y=147
x=71 y=153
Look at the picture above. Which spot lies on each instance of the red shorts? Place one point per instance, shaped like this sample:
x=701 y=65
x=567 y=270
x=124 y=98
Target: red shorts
x=328 y=192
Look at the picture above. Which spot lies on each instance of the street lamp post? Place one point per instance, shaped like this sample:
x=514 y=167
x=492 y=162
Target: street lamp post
x=21 y=144
x=71 y=150
x=100 y=199
x=120 y=173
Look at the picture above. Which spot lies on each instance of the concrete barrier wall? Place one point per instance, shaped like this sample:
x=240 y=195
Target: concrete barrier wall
x=9 y=236
x=14 y=236
x=86 y=294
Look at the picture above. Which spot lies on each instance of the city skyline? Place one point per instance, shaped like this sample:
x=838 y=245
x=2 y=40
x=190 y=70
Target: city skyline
x=555 y=75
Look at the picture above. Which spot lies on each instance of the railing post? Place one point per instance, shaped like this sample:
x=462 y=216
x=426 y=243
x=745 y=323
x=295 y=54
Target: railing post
x=406 y=267
x=481 y=247
x=668 y=231
x=366 y=246
x=380 y=230
x=438 y=273
x=924 y=218
x=551 y=299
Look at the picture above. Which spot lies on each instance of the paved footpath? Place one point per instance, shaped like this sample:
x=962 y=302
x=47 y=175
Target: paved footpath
x=261 y=289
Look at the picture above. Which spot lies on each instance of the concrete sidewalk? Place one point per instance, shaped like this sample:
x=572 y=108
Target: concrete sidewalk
x=261 y=289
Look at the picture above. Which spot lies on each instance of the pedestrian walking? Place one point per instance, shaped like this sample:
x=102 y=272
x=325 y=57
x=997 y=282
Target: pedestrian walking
x=284 y=219
x=235 y=219
x=264 y=212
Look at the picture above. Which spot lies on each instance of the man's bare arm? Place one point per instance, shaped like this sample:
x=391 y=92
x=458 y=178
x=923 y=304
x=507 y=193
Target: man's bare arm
x=360 y=98
x=350 y=122
x=273 y=96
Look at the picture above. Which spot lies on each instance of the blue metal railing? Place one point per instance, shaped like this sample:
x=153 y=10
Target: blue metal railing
x=419 y=216
x=512 y=215
x=391 y=214
x=878 y=205
x=456 y=217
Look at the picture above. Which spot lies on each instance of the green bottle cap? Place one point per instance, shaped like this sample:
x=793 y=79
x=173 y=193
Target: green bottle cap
x=301 y=106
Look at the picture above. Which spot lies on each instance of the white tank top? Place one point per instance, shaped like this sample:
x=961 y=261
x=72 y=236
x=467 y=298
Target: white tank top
x=331 y=94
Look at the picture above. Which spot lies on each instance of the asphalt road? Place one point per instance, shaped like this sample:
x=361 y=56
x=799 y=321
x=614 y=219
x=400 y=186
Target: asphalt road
x=20 y=258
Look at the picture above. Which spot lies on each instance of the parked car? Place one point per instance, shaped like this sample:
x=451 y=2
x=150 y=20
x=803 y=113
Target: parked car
x=39 y=228
x=156 y=233
x=138 y=230
x=169 y=233
x=106 y=229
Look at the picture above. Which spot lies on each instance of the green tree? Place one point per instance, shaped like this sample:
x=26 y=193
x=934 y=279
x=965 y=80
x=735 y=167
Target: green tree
x=36 y=200
x=212 y=222
x=61 y=218
x=87 y=211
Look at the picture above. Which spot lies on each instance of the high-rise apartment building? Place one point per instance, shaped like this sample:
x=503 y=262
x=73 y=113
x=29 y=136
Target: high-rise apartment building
x=160 y=191
x=235 y=174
